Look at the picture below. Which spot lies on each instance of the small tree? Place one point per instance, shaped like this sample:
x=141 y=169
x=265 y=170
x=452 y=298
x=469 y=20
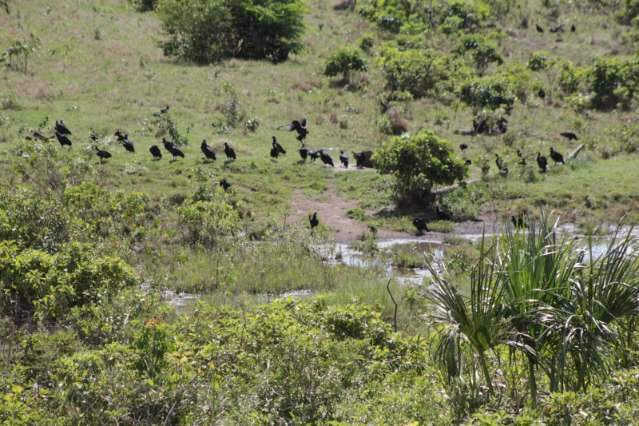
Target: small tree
x=344 y=61
x=418 y=162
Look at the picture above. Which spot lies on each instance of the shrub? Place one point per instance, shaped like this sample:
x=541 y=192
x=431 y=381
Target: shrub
x=418 y=162
x=415 y=71
x=464 y=15
x=344 y=61
x=614 y=82
x=482 y=51
x=205 y=31
x=46 y=286
x=571 y=78
x=539 y=61
x=489 y=92
x=629 y=12
x=205 y=222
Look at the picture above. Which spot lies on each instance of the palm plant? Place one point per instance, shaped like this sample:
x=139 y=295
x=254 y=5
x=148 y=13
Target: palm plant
x=476 y=322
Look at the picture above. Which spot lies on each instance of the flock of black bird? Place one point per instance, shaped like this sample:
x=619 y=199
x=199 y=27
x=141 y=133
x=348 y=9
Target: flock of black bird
x=362 y=159
x=62 y=134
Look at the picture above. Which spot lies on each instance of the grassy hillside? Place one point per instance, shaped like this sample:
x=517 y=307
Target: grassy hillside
x=135 y=291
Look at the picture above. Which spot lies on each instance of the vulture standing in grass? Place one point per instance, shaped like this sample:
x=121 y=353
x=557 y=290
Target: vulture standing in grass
x=128 y=144
x=172 y=148
x=229 y=152
x=542 y=162
x=104 y=155
x=313 y=220
x=61 y=128
x=209 y=154
x=303 y=152
x=343 y=158
x=225 y=184
x=420 y=224
x=463 y=147
x=570 y=136
x=556 y=156
x=155 y=152
x=326 y=159
x=63 y=139
x=277 y=147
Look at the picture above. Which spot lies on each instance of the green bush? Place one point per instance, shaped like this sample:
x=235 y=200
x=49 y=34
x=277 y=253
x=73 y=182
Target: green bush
x=489 y=92
x=206 y=222
x=35 y=284
x=614 y=82
x=205 y=31
x=418 y=72
x=482 y=51
x=343 y=62
x=571 y=78
x=418 y=163
x=629 y=11
x=539 y=61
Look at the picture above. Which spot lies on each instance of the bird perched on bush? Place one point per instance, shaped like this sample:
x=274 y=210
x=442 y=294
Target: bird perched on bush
x=542 y=162
x=209 y=154
x=104 y=155
x=556 y=156
x=326 y=159
x=343 y=158
x=61 y=128
x=229 y=152
x=172 y=148
x=155 y=152
x=313 y=220
x=420 y=224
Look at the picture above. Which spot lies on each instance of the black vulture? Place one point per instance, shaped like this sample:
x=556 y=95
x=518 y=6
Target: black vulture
x=274 y=152
x=93 y=136
x=570 y=136
x=503 y=172
x=128 y=144
x=155 y=152
x=172 y=148
x=104 y=155
x=420 y=224
x=463 y=146
x=314 y=155
x=326 y=159
x=573 y=28
x=303 y=152
x=61 y=128
x=299 y=126
x=539 y=28
x=542 y=162
x=541 y=93
x=499 y=161
x=313 y=220
x=556 y=156
x=468 y=162
x=229 y=152
x=443 y=214
x=207 y=151
x=275 y=144
x=225 y=184
x=165 y=109
x=120 y=136
x=63 y=139
x=343 y=158
x=364 y=159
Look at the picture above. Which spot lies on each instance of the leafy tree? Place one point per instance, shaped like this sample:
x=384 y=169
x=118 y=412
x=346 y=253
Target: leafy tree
x=614 y=82
x=489 y=92
x=418 y=163
x=482 y=51
x=206 y=222
x=205 y=31
x=345 y=61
